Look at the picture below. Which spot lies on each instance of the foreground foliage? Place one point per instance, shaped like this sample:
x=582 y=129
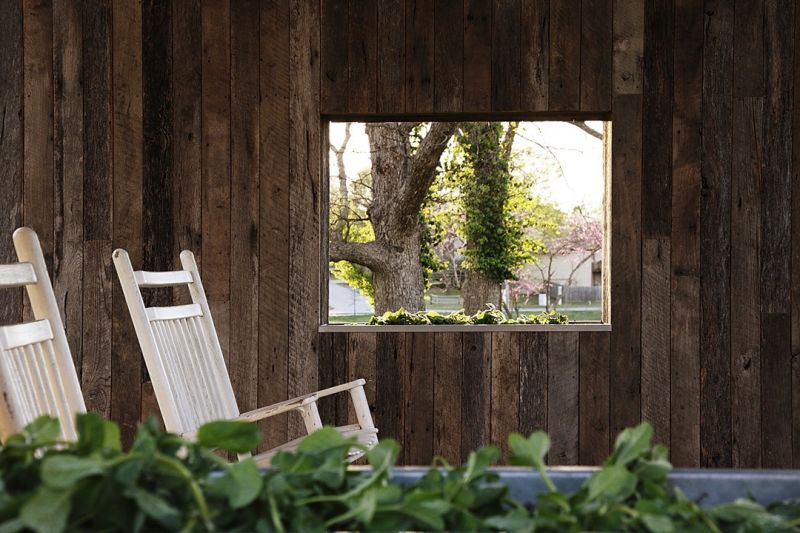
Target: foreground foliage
x=165 y=483
x=489 y=315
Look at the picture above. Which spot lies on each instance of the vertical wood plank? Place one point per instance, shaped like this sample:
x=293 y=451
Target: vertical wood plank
x=304 y=201
x=593 y=435
x=332 y=357
x=478 y=48
x=448 y=384
x=156 y=46
x=98 y=204
x=533 y=382
x=745 y=285
x=243 y=358
x=748 y=48
x=535 y=54
x=505 y=389
x=795 y=260
x=187 y=64
x=419 y=56
x=596 y=48
x=273 y=250
x=68 y=170
x=628 y=46
x=11 y=146
x=418 y=400
x=476 y=391
x=506 y=67
x=97 y=327
x=656 y=336
x=685 y=236
x=565 y=55
x=334 y=48
x=626 y=262
x=215 y=163
x=715 y=407
x=657 y=117
x=361 y=364
x=37 y=35
x=126 y=365
x=448 y=91
x=391 y=56
x=562 y=398
x=776 y=363
x=389 y=382
x=362 y=57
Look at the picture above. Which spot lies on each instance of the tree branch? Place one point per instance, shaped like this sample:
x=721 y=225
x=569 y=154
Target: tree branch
x=581 y=125
x=369 y=254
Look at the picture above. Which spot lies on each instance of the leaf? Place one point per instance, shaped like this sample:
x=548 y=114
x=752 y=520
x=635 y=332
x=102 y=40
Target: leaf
x=47 y=511
x=479 y=461
x=322 y=440
x=384 y=454
x=62 y=471
x=156 y=507
x=632 y=443
x=230 y=435
x=241 y=483
x=611 y=481
x=43 y=430
x=530 y=451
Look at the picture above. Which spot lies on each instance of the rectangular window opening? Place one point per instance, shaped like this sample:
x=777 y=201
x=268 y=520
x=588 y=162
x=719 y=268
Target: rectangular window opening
x=467 y=222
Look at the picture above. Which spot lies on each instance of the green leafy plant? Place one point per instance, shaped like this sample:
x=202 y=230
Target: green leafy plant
x=489 y=315
x=166 y=483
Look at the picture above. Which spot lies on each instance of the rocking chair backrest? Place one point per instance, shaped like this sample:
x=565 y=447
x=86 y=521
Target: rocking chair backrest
x=37 y=374
x=180 y=347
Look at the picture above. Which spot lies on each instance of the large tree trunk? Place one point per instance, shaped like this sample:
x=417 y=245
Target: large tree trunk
x=478 y=290
x=401 y=284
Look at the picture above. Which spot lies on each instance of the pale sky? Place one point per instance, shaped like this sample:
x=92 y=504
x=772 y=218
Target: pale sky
x=579 y=155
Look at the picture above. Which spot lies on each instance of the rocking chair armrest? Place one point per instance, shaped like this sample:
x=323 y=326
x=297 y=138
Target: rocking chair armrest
x=277 y=408
x=340 y=388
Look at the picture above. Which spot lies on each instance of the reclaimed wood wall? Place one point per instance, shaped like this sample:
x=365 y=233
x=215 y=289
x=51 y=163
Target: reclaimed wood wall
x=157 y=126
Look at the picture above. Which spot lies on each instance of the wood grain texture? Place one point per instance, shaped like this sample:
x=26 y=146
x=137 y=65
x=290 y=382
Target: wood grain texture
x=795 y=314
x=715 y=239
x=533 y=382
x=419 y=56
x=476 y=392
x=187 y=64
x=656 y=336
x=448 y=61
x=362 y=58
x=245 y=178
x=216 y=163
x=685 y=234
x=11 y=145
x=565 y=56
x=596 y=39
x=96 y=377
x=748 y=48
x=562 y=398
x=304 y=201
x=535 y=54
x=657 y=87
x=776 y=382
x=626 y=263
x=37 y=36
x=745 y=271
x=506 y=66
x=334 y=55
x=273 y=250
x=628 y=46
x=593 y=401
x=67 y=170
x=418 y=400
x=391 y=352
x=126 y=365
x=505 y=387
x=391 y=55
x=448 y=384
x=362 y=364
x=478 y=54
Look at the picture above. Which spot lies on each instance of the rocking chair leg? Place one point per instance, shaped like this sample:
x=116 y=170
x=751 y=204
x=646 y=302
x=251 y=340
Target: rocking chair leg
x=361 y=406
x=311 y=417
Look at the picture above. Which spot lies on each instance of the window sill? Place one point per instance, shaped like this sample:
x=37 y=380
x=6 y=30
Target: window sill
x=470 y=328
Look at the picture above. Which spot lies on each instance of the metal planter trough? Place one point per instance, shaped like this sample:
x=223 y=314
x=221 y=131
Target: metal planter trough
x=707 y=487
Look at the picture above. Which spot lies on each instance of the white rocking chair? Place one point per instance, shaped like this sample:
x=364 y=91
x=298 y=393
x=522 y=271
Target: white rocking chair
x=187 y=368
x=37 y=375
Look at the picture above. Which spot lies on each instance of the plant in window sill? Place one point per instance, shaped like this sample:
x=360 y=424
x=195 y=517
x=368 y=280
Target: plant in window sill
x=489 y=316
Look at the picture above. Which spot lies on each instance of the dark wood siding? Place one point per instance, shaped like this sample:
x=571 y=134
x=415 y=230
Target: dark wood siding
x=199 y=124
